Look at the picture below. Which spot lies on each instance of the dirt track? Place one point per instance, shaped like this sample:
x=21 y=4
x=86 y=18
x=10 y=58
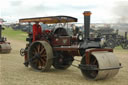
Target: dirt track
x=13 y=72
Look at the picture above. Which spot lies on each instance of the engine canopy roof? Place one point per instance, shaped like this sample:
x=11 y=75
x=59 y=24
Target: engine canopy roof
x=50 y=20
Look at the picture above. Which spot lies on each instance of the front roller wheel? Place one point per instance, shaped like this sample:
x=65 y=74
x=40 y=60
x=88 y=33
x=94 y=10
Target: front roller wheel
x=102 y=65
x=89 y=74
x=5 y=48
x=40 y=55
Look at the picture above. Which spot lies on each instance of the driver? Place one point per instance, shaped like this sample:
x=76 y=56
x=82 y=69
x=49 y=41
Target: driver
x=36 y=31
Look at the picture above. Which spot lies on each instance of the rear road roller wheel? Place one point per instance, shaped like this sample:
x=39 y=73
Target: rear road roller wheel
x=40 y=55
x=106 y=66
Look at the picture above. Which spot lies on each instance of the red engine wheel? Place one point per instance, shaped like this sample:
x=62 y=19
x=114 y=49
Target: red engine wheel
x=40 y=55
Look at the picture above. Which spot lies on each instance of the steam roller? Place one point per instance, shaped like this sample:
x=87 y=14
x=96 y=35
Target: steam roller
x=58 y=49
x=4 y=46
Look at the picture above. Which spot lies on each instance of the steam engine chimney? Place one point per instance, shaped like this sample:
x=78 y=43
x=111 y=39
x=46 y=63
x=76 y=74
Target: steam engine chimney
x=86 y=24
x=126 y=35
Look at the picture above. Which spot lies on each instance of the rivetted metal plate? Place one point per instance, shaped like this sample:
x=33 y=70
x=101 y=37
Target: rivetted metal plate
x=107 y=63
x=5 y=48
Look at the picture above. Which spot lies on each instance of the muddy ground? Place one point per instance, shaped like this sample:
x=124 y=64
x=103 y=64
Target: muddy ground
x=13 y=72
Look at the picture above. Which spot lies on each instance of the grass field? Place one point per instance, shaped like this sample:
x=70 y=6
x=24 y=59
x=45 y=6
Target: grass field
x=18 y=34
x=13 y=72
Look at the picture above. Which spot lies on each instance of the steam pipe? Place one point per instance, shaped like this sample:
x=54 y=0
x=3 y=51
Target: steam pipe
x=86 y=24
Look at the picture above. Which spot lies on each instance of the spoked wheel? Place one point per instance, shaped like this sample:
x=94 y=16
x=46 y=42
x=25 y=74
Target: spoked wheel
x=62 y=61
x=40 y=55
x=102 y=65
x=110 y=43
x=22 y=52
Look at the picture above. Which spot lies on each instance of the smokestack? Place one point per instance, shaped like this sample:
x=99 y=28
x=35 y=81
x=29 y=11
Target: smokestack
x=86 y=24
x=126 y=35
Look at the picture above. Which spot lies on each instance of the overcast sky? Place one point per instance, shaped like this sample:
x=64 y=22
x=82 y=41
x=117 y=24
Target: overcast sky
x=102 y=10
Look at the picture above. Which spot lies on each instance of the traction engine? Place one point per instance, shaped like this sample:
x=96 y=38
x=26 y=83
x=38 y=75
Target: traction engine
x=56 y=48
